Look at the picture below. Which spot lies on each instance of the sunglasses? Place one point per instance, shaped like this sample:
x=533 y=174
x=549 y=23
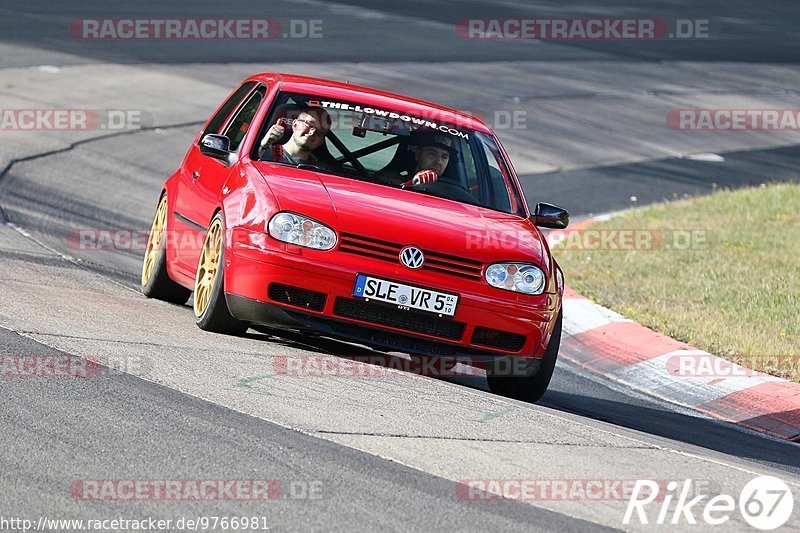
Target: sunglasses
x=311 y=126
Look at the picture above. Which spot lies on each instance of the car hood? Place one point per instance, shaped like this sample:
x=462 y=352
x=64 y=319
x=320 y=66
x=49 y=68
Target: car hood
x=405 y=217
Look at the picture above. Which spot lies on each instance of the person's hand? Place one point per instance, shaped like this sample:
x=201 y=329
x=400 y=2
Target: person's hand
x=274 y=133
x=421 y=178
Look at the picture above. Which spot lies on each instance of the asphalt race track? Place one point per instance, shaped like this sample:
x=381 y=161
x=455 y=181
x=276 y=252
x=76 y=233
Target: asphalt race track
x=383 y=452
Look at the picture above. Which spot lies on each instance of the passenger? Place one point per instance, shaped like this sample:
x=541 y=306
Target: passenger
x=308 y=133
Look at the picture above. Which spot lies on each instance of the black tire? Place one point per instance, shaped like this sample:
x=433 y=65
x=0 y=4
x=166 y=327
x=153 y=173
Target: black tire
x=158 y=284
x=216 y=317
x=531 y=386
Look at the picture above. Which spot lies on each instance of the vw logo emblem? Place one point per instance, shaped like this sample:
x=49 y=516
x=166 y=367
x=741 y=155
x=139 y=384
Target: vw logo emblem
x=412 y=257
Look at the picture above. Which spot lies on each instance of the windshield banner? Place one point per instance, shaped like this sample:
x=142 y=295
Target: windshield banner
x=422 y=122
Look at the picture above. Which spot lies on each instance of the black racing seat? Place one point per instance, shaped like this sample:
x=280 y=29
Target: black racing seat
x=402 y=161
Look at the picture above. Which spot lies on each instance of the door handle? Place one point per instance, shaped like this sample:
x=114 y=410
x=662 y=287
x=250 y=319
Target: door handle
x=195 y=174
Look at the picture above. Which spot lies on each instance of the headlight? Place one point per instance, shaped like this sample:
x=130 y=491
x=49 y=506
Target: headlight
x=302 y=231
x=518 y=277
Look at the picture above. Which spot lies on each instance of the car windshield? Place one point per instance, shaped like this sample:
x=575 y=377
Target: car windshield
x=389 y=147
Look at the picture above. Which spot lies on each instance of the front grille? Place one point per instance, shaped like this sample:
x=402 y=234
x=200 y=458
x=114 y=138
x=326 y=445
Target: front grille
x=407 y=320
x=494 y=338
x=389 y=251
x=297 y=297
x=388 y=339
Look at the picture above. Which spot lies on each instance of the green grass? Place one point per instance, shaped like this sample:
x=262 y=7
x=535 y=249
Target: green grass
x=736 y=295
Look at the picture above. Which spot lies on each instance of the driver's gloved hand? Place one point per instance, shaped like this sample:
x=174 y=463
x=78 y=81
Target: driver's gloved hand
x=274 y=133
x=420 y=178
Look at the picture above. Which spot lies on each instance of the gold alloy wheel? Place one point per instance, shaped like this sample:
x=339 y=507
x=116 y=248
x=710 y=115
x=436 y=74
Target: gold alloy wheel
x=208 y=268
x=154 y=240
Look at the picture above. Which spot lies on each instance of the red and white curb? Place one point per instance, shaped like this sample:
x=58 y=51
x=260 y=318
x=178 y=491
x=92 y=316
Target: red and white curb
x=606 y=343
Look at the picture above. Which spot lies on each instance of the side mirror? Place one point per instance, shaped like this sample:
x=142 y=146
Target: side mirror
x=216 y=146
x=550 y=216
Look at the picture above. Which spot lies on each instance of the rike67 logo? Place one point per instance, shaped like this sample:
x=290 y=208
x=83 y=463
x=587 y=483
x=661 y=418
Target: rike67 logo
x=765 y=503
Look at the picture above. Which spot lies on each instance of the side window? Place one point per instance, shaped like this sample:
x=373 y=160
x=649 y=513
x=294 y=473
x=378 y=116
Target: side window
x=498 y=183
x=227 y=108
x=241 y=122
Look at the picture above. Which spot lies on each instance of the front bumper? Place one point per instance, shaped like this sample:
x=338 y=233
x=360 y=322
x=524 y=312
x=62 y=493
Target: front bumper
x=250 y=270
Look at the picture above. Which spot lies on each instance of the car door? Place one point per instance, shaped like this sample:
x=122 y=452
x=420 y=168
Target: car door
x=200 y=185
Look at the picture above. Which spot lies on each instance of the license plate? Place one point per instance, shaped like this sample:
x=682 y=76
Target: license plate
x=406 y=296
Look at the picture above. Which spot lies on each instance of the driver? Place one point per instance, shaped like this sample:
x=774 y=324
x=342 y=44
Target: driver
x=308 y=133
x=432 y=154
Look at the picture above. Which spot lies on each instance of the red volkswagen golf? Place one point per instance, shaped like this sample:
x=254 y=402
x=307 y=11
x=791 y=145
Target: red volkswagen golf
x=364 y=216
